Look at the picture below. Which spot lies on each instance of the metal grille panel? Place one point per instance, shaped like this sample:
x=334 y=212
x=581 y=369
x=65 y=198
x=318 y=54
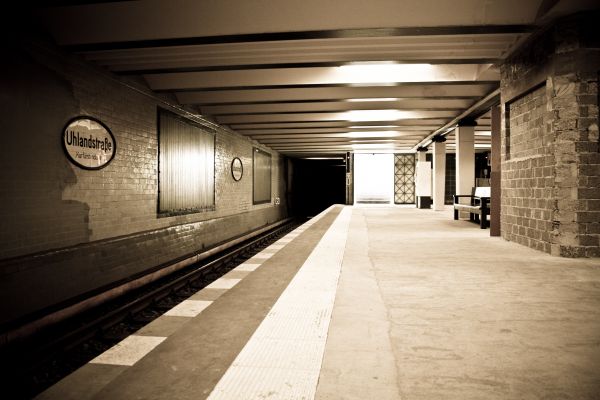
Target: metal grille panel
x=404 y=178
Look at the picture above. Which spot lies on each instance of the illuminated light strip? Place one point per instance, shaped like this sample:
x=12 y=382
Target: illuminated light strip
x=374 y=99
x=378 y=115
x=372 y=134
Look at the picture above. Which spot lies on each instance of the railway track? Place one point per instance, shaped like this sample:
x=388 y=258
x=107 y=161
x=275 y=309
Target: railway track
x=36 y=363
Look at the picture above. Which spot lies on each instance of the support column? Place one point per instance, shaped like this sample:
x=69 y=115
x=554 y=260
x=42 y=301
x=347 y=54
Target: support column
x=495 y=174
x=349 y=178
x=465 y=159
x=439 y=172
x=422 y=154
x=423 y=179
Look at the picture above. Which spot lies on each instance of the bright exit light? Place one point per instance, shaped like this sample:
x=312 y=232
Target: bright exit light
x=374 y=99
x=386 y=72
x=377 y=115
x=374 y=178
x=371 y=134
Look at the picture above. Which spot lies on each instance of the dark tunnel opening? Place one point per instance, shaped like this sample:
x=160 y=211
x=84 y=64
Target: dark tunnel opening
x=317 y=184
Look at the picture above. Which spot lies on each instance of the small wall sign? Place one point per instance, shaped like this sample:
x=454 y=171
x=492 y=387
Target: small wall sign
x=237 y=169
x=88 y=143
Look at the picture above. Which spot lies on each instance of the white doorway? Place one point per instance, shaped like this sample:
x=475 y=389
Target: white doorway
x=373 y=178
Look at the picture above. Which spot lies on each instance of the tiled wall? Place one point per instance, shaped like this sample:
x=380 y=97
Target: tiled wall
x=66 y=230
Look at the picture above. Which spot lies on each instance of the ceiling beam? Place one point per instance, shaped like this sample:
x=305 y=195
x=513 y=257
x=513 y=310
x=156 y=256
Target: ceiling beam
x=325 y=116
x=331 y=106
x=303 y=35
x=378 y=75
x=328 y=93
x=484 y=103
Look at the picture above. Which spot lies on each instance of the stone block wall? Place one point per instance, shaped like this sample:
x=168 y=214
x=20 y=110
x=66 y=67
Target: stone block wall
x=550 y=146
x=577 y=190
x=66 y=231
x=528 y=172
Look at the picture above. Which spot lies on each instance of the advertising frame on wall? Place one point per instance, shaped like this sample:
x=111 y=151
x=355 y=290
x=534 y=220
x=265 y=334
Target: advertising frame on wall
x=261 y=176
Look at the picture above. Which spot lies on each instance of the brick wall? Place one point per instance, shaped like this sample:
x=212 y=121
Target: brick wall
x=550 y=150
x=577 y=189
x=527 y=172
x=66 y=230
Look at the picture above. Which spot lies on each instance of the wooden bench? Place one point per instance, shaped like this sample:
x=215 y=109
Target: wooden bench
x=478 y=207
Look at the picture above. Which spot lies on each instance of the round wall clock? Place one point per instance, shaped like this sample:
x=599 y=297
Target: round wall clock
x=237 y=169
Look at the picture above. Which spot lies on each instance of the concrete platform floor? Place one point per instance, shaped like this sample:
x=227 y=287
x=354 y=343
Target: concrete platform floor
x=432 y=308
x=424 y=307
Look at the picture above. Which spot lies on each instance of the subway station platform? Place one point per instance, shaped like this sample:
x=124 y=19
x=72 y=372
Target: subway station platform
x=370 y=303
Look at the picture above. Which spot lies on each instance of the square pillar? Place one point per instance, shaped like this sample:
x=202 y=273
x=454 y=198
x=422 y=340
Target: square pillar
x=422 y=201
x=465 y=159
x=422 y=154
x=495 y=175
x=349 y=178
x=439 y=172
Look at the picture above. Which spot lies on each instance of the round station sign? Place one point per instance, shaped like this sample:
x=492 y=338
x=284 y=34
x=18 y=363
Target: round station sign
x=237 y=169
x=88 y=143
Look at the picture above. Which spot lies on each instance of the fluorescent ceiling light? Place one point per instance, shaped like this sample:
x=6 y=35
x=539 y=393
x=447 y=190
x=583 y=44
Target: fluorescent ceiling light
x=380 y=151
x=374 y=99
x=372 y=63
x=373 y=146
x=372 y=126
x=483 y=133
x=371 y=134
x=372 y=141
x=377 y=115
x=386 y=72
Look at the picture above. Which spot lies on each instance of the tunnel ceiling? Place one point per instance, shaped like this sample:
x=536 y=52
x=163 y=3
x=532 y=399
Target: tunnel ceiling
x=305 y=77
